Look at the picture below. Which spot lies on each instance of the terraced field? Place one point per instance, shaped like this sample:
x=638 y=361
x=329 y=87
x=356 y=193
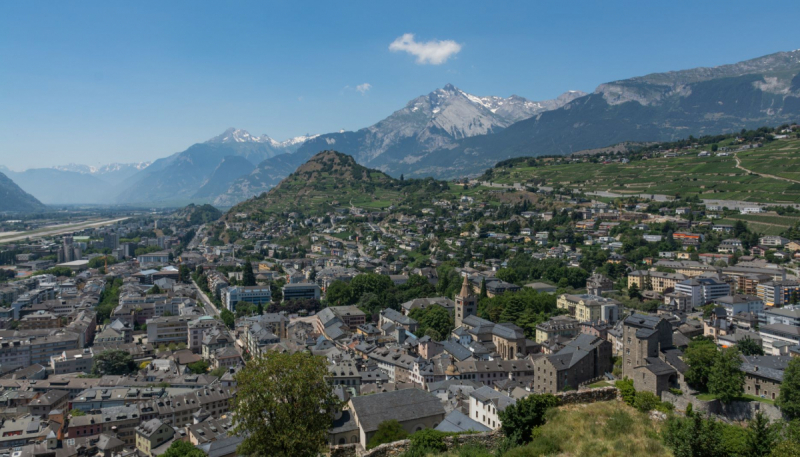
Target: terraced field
x=779 y=158
x=709 y=177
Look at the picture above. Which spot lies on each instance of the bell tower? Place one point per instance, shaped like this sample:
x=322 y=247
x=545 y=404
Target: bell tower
x=466 y=302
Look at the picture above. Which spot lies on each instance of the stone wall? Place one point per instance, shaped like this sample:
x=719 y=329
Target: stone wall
x=488 y=440
x=735 y=411
x=588 y=396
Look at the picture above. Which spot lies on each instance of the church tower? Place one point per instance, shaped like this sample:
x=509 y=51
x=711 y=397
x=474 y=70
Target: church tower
x=466 y=302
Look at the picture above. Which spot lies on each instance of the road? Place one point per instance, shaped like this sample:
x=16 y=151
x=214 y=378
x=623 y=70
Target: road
x=206 y=301
x=56 y=230
x=764 y=175
x=196 y=240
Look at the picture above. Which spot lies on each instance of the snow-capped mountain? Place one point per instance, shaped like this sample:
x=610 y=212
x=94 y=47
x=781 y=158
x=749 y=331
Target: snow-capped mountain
x=104 y=169
x=205 y=169
x=233 y=135
x=432 y=121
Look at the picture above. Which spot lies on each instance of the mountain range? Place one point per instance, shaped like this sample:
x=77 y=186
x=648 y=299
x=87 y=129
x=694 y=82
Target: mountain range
x=449 y=133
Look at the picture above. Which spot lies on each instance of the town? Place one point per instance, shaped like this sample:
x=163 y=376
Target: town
x=440 y=314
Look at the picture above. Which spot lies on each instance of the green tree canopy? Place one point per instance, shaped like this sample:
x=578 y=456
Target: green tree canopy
x=180 y=448
x=521 y=418
x=748 y=346
x=700 y=356
x=228 y=318
x=339 y=293
x=113 y=362
x=726 y=379
x=789 y=398
x=283 y=405
x=433 y=317
x=248 y=277
x=694 y=436
x=199 y=367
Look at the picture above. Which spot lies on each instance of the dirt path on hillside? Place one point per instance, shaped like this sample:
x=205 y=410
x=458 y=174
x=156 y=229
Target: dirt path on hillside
x=739 y=166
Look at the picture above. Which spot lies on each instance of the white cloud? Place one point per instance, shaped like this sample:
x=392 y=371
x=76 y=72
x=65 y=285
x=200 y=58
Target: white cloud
x=430 y=52
x=364 y=88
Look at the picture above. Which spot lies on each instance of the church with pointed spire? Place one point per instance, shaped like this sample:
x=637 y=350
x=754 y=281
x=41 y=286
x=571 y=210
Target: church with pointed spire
x=466 y=302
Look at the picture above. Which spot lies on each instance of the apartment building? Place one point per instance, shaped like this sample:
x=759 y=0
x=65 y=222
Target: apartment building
x=255 y=295
x=168 y=329
x=778 y=293
x=654 y=280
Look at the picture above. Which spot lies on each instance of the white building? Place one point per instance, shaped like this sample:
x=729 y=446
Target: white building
x=256 y=295
x=486 y=404
x=735 y=304
x=703 y=290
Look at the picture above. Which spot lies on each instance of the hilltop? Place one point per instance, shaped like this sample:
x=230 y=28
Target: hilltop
x=199 y=214
x=13 y=198
x=331 y=180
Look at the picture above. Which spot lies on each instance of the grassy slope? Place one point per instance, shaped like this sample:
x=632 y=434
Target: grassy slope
x=609 y=429
x=709 y=177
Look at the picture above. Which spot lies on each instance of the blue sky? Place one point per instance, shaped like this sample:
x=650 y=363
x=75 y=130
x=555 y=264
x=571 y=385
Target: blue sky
x=100 y=82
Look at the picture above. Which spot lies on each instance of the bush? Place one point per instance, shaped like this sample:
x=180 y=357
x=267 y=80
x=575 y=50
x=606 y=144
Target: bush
x=665 y=407
x=540 y=446
x=429 y=439
x=675 y=391
x=645 y=401
x=388 y=431
x=626 y=389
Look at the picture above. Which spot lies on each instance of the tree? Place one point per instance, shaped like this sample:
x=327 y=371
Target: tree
x=483 y=288
x=248 y=278
x=521 y=418
x=388 y=432
x=699 y=356
x=76 y=413
x=244 y=308
x=283 y=405
x=789 y=398
x=154 y=290
x=633 y=292
x=433 y=317
x=339 y=293
x=180 y=448
x=761 y=436
x=645 y=401
x=113 y=362
x=749 y=347
x=199 y=367
x=694 y=436
x=228 y=318
x=626 y=390
x=433 y=334
x=183 y=273
x=726 y=379
x=370 y=283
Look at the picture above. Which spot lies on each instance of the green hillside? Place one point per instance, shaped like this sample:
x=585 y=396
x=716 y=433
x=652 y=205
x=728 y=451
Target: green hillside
x=714 y=177
x=331 y=180
x=13 y=198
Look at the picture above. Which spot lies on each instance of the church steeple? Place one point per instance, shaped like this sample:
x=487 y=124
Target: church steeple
x=466 y=289
x=466 y=302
